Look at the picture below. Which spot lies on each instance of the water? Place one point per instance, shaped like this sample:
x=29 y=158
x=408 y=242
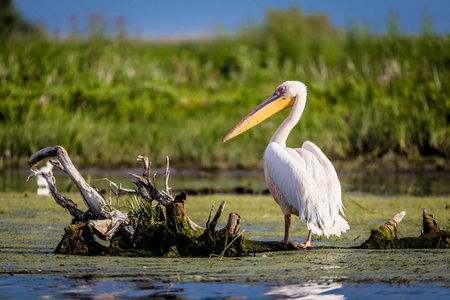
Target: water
x=29 y=269
x=198 y=182
x=58 y=287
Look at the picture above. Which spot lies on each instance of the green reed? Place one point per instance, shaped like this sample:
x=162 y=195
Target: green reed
x=107 y=100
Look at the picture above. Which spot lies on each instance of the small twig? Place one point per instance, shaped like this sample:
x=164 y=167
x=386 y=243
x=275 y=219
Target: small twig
x=165 y=194
x=118 y=187
x=154 y=177
x=166 y=177
x=146 y=163
x=211 y=225
x=219 y=213
x=109 y=193
x=356 y=203
x=210 y=214
x=57 y=163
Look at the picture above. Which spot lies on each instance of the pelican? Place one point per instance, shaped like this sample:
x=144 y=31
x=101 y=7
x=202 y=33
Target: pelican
x=302 y=181
x=43 y=189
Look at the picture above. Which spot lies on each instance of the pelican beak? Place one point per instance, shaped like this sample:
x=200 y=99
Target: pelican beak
x=268 y=107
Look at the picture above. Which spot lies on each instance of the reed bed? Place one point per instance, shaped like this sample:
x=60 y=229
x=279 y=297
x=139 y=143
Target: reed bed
x=107 y=99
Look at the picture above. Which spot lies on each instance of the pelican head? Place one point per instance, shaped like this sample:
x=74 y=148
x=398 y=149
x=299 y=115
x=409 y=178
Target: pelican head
x=284 y=96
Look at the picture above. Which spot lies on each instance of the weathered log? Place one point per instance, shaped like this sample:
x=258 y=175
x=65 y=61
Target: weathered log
x=386 y=236
x=65 y=202
x=432 y=236
x=155 y=233
x=106 y=220
x=430 y=226
x=234 y=224
x=253 y=246
x=91 y=197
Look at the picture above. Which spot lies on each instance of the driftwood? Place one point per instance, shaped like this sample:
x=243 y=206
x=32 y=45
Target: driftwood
x=105 y=219
x=164 y=229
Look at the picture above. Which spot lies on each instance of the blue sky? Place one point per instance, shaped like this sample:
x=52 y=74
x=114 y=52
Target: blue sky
x=187 y=18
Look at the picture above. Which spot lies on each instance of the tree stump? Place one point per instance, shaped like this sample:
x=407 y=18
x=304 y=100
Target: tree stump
x=386 y=236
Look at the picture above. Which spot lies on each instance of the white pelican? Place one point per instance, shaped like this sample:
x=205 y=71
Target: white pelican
x=302 y=181
x=43 y=189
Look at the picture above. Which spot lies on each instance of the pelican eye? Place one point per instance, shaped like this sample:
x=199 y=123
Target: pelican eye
x=281 y=90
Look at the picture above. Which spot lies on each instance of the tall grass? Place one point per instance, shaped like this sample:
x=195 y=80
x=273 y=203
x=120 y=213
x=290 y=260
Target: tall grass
x=106 y=99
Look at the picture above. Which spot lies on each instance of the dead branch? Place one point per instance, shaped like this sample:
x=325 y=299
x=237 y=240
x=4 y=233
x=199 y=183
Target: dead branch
x=107 y=219
x=211 y=225
x=148 y=190
x=66 y=203
x=91 y=197
x=166 y=177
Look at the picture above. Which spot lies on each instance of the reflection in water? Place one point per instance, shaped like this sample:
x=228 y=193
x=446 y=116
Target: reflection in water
x=327 y=291
x=62 y=287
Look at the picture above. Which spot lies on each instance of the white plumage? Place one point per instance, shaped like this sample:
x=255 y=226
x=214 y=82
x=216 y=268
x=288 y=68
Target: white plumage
x=306 y=187
x=43 y=189
x=302 y=181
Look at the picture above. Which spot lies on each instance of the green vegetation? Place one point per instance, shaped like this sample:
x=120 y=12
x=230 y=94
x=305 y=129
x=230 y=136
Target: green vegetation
x=32 y=227
x=108 y=99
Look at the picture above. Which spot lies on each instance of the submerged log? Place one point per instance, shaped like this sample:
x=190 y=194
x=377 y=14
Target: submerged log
x=386 y=236
x=432 y=236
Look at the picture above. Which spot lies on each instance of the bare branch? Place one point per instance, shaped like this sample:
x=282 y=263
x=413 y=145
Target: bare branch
x=166 y=177
x=59 y=199
x=210 y=214
x=118 y=187
x=211 y=226
x=93 y=199
x=146 y=163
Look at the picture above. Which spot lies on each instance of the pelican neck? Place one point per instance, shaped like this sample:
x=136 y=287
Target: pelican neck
x=288 y=124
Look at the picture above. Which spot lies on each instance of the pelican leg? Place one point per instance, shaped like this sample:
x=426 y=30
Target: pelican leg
x=308 y=241
x=287 y=226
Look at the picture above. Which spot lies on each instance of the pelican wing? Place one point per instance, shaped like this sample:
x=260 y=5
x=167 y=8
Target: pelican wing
x=306 y=182
x=325 y=174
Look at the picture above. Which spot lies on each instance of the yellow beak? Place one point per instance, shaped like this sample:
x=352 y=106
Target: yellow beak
x=268 y=107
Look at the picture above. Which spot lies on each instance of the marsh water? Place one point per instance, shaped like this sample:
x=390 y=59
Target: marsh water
x=31 y=227
x=204 y=182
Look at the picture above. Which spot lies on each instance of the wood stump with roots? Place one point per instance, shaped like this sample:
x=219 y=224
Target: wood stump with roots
x=158 y=224
x=387 y=237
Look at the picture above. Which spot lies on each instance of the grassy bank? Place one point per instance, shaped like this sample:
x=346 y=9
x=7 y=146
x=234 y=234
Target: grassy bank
x=106 y=99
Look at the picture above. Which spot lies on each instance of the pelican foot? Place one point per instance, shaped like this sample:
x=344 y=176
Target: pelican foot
x=290 y=243
x=306 y=245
